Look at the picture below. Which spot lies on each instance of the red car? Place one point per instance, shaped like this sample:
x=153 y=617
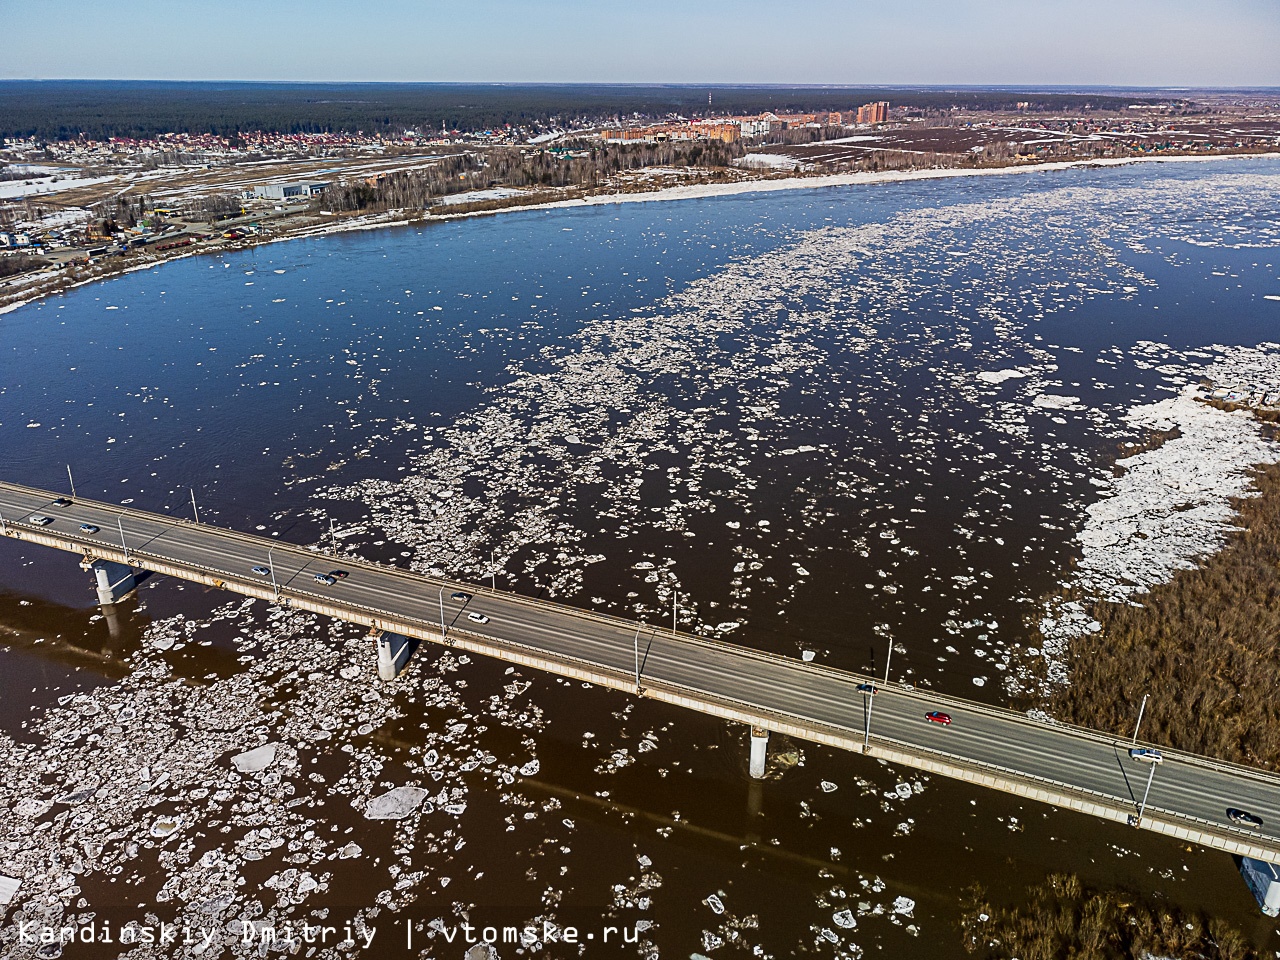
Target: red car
x=935 y=716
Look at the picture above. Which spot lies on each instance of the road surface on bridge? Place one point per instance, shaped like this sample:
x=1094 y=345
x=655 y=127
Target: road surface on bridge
x=1067 y=766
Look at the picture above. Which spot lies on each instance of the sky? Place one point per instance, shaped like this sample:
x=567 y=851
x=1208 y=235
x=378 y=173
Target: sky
x=1007 y=42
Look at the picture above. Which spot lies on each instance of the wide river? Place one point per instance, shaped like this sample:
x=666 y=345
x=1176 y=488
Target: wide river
x=815 y=422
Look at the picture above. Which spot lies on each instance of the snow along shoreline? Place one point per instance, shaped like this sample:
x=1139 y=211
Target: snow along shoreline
x=693 y=192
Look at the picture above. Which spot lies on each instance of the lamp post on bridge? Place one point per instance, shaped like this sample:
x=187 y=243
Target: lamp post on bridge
x=870 y=698
x=442 y=630
x=72 y=480
x=194 y=509
x=493 y=569
x=123 y=545
x=1134 y=742
x=275 y=587
x=1145 y=793
x=636 y=643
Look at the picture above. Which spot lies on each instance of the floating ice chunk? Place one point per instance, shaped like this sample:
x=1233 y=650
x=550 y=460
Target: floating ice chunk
x=999 y=376
x=78 y=795
x=350 y=851
x=903 y=790
x=844 y=918
x=8 y=887
x=395 y=804
x=1053 y=401
x=531 y=768
x=828 y=786
x=715 y=903
x=979 y=681
x=807 y=655
x=903 y=906
x=165 y=826
x=252 y=761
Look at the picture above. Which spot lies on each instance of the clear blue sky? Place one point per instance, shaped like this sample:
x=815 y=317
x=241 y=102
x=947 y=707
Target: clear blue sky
x=1120 y=42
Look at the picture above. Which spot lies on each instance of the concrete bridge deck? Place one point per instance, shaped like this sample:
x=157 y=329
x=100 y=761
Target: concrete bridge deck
x=1069 y=767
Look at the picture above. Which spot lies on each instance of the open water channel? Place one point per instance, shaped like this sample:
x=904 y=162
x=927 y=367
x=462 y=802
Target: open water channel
x=813 y=422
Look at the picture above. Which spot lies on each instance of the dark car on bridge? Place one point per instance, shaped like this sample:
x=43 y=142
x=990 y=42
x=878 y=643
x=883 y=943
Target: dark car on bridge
x=339 y=574
x=937 y=716
x=868 y=688
x=1242 y=818
x=460 y=596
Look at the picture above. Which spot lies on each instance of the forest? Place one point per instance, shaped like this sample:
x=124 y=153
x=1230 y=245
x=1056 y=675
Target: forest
x=97 y=109
x=1062 y=918
x=1203 y=647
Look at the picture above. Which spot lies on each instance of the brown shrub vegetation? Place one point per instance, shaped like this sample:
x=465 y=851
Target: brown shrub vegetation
x=1205 y=646
x=1064 y=919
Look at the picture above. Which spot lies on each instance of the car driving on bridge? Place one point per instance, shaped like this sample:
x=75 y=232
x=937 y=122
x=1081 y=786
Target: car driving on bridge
x=88 y=528
x=327 y=580
x=937 y=716
x=1146 y=755
x=477 y=618
x=1243 y=818
x=262 y=571
x=39 y=520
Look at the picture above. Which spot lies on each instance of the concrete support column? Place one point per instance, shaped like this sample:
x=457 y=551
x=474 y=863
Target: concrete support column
x=759 y=751
x=114 y=581
x=394 y=652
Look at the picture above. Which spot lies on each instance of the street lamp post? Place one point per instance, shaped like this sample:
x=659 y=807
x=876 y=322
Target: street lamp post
x=866 y=739
x=73 y=481
x=1143 y=805
x=1139 y=723
x=675 y=608
x=275 y=588
x=193 y=504
x=493 y=569
x=333 y=539
x=636 y=644
x=441 y=598
x=123 y=546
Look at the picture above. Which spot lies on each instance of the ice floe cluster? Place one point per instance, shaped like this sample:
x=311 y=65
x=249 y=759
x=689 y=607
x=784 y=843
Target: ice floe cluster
x=1170 y=505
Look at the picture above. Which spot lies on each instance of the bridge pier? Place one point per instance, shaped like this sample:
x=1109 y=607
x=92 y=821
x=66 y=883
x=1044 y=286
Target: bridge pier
x=114 y=581
x=759 y=751
x=394 y=652
x=1263 y=880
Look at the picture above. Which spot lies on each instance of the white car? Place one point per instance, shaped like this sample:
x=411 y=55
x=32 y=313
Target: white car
x=477 y=618
x=1146 y=755
x=39 y=520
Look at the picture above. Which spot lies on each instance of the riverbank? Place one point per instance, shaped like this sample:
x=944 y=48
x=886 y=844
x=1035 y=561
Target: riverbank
x=29 y=288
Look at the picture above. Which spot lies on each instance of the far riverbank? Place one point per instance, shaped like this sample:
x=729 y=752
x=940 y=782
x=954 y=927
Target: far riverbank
x=35 y=286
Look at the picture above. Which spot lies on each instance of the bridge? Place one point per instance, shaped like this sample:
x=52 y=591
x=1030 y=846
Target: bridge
x=1186 y=796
